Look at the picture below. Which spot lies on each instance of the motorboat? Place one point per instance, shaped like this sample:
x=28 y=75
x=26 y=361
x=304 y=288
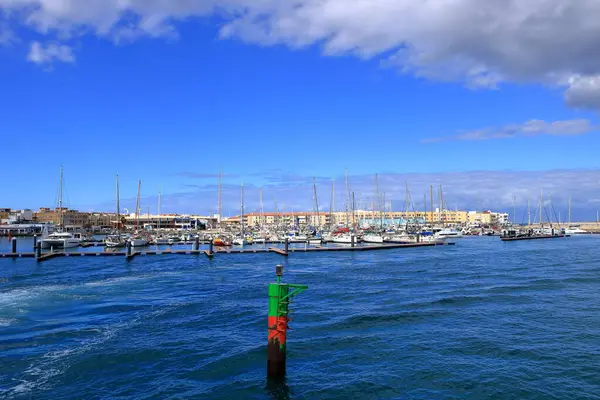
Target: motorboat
x=113 y=241
x=372 y=238
x=63 y=240
x=139 y=241
x=239 y=241
x=217 y=241
x=343 y=238
x=576 y=230
x=448 y=233
x=399 y=238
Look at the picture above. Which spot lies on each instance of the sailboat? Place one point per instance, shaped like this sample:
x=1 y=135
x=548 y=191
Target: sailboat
x=60 y=238
x=374 y=237
x=138 y=240
x=241 y=240
x=260 y=237
x=317 y=239
x=116 y=240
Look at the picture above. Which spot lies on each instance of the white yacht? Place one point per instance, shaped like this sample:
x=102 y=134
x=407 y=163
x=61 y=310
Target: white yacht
x=63 y=240
x=399 y=238
x=575 y=230
x=60 y=238
x=372 y=238
x=139 y=241
x=239 y=241
x=344 y=238
x=114 y=241
x=448 y=233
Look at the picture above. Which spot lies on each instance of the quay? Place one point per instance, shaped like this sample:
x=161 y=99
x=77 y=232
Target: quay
x=131 y=253
x=533 y=237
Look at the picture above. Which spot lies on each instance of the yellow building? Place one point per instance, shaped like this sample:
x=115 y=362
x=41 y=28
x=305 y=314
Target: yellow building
x=4 y=213
x=70 y=217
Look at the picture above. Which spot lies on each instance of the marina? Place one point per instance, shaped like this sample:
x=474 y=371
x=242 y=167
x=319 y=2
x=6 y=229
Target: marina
x=431 y=308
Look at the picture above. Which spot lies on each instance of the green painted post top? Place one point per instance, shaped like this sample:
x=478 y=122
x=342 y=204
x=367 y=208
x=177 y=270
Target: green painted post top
x=280 y=296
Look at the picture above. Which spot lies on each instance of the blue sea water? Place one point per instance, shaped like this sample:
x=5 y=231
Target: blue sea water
x=479 y=320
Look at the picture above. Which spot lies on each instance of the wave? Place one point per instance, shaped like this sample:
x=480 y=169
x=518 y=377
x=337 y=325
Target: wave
x=41 y=373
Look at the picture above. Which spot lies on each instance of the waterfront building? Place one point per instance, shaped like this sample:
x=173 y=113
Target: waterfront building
x=21 y=229
x=4 y=213
x=168 y=221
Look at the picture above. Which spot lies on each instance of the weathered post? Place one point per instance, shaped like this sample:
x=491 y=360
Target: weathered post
x=38 y=250
x=34 y=242
x=211 y=245
x=287 y=245
x=128 y=249
x=418 y=238
x=279 y=300
x=352 y=239
x=13 y=245
x=197 y=243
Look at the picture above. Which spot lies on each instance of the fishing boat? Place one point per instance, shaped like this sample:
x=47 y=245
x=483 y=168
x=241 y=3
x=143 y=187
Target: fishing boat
x=61 y=238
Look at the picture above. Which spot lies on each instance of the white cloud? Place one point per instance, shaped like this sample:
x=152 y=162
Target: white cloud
x=533 y=127
x=47 y=54
x=463 y=190
x=480 y=43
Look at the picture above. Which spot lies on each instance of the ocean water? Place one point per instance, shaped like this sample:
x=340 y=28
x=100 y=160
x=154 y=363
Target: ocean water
x=479 y=320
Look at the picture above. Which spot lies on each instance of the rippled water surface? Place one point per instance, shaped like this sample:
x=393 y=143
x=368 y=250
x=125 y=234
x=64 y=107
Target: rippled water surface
x=482 y=319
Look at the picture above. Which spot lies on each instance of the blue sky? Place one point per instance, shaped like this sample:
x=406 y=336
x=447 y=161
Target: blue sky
x=278 y=95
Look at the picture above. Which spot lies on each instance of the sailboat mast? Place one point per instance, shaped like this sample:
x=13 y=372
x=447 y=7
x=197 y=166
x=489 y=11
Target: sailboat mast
x=262 y=211
x=528 y=210
x=219 y=202
x=569 y=209
x=353 y=216
x=425 y=206
x=61 y=216
x=541 y=207
x=316 y=203
x=431 y=201
x=378 y=206
x=276 y=218
x=158 y=209
x=331 y=203
x=514 y=209
x=242 y=212
x=118 y=207
x=137 y=204
x=440 y=205
x=347 y=198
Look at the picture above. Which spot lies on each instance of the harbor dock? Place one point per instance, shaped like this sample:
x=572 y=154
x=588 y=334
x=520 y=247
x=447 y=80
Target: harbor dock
x=217 y=250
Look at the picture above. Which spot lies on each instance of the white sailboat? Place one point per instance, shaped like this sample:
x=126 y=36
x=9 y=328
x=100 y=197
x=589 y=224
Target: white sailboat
x=372 y=238
x=241 y=240
x=117 y=240
x=60 y=238
x=138 y=240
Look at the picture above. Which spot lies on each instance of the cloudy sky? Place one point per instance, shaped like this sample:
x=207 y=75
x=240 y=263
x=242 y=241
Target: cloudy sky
x=493 y=99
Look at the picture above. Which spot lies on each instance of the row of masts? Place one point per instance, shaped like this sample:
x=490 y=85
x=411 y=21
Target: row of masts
x=350 y=203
